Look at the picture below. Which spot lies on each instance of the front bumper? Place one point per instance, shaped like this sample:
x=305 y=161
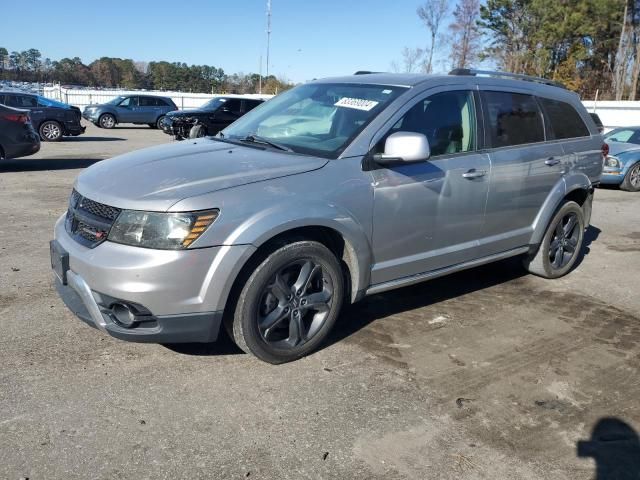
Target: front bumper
x=90 y=116
x=191 y=328
x=183 y=291
x=612 y=176
x=75 y=129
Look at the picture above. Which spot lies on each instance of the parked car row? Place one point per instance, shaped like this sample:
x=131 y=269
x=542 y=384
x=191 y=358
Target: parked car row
x=52 y=120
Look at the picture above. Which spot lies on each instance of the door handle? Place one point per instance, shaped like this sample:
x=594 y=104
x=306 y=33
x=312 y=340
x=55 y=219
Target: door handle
x=473 y=173
x=551 y=161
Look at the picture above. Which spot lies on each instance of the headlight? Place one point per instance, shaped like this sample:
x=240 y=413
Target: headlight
x=166 y=231
x=612 y=162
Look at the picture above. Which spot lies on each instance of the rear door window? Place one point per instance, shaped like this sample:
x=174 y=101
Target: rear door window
x=250 y=105
x=565 y=121
x=512 y=119
x=147 y=102
x=233 y=106
x=21 y=101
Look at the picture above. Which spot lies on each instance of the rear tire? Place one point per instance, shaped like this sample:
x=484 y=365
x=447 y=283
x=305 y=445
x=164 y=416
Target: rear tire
x=289 y=303
x=561 y=245
x=631 y=182
x=50 y=131
x=107 y=121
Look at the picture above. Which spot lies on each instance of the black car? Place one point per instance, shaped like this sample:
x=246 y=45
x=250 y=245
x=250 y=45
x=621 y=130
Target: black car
x=213 y=116
x=51 y=119
x=18 y=138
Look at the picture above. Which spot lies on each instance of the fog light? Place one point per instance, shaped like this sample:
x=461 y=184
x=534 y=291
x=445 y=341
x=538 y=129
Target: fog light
x=123 y=315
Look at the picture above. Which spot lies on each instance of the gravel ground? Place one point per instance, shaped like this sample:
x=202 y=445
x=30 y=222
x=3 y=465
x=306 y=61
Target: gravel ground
x=490 y=373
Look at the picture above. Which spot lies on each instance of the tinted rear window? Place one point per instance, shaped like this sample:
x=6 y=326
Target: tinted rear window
x=250 y=105
x=513 y=119
x=21 y=101
x=565 y=121
x=150 y=102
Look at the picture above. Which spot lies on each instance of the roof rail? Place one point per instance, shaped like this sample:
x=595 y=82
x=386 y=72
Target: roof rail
x=364 y=72
x=516 y=76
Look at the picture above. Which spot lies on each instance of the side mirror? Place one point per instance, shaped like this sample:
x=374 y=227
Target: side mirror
x=404 y=147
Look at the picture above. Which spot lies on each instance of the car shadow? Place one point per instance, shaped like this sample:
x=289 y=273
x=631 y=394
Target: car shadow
x=609 y=186
x=591 y=234
x=357 y=316
x=222 y=346
x=133 y=127
x=615 y=447
x=44 y=164
x=93 y=139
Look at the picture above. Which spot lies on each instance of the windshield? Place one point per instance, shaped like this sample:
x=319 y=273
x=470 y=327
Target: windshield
x=47 y=102
x=317 y=119
x=623 y=135
x=213 y=104
x=115 y=101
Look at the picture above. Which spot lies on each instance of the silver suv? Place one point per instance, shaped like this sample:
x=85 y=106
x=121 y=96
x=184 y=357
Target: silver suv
x=332 y=191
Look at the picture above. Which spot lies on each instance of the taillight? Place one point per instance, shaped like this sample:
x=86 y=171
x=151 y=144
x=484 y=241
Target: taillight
x=16 y=117
x=605 y=150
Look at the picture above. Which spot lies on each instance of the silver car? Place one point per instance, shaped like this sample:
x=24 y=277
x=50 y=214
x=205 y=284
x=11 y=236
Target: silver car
x=332 y=191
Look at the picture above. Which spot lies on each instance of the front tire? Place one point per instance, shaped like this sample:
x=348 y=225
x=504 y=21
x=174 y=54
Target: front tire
x=107 y=121
x=631 y=182
x=561 y=245
x=50 y=131
x=289 y=304
x=198 y=131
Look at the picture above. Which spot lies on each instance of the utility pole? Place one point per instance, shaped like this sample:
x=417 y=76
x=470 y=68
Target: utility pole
x=260 y=77
x=268 y=33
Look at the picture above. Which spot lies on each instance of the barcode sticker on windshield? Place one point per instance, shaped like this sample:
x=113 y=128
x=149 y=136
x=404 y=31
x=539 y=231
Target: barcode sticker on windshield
x=357 y=103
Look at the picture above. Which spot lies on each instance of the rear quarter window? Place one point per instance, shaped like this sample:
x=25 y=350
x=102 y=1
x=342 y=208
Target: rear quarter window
x=512 y=119
x=564 y=119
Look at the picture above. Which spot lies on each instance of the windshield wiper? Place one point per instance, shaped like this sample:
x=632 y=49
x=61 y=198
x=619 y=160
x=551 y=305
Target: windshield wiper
x=256 y=139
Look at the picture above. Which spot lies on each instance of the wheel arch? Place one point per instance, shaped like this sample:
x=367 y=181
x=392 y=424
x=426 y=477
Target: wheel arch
x=59 y=122
x=347 y=249
x=109 y=112
x=629 y=164
x=575 y=187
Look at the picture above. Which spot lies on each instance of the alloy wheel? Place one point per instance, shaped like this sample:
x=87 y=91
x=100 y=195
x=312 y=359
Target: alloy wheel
x=107 y=121
x=564 y=241
x=634 y=176
x=51 y=131
x=295 y=304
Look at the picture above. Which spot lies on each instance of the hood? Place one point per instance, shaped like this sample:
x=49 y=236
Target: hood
x=156 y=178
x=188 y=112
x=616 y=148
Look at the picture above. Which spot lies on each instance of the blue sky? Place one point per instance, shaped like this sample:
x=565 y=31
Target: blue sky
x=310 y=39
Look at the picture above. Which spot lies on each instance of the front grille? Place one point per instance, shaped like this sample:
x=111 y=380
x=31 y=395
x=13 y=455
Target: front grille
x=88 y=221
x=99 y=209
